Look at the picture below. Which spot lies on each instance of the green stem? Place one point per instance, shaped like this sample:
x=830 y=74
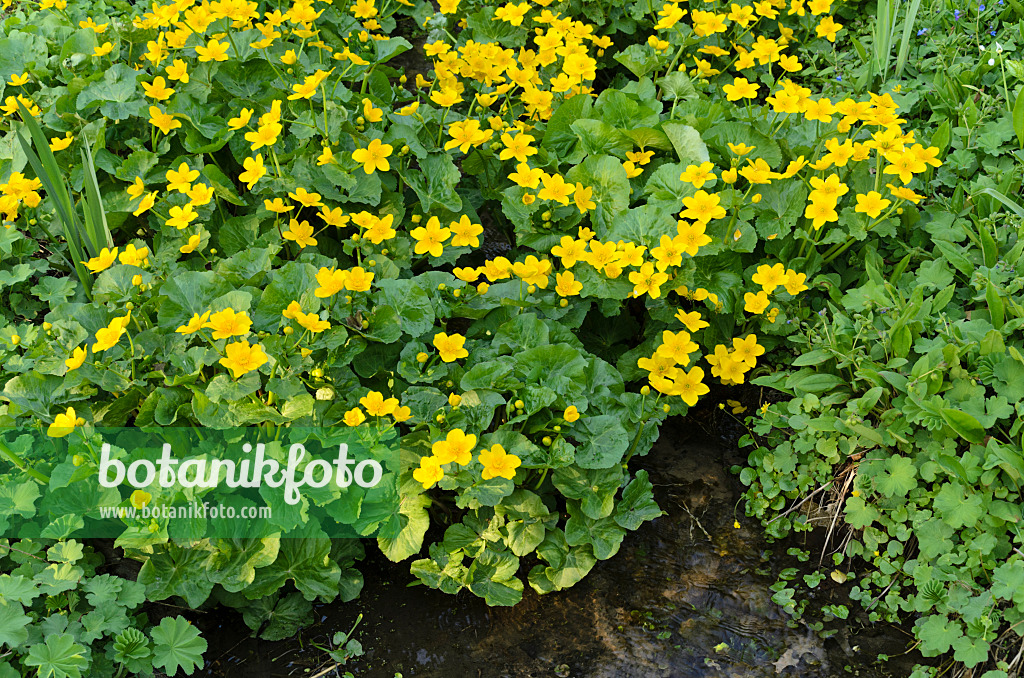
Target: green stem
x=20 y=463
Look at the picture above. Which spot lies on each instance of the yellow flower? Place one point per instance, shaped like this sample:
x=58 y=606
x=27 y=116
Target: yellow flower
x=358 y=280
x=157 y=89
x=133 y=256
x=464 y=232
x=60 y=143
x=795 y=282
x=64 y=423
x=373 y=157
x=18 y=80
x=740 y=149
x=582 y=195
x=243 y=358
x=740 y=89
x=254 y=171
x=566 y=284
x=821 y=213
x=140 y=498
x=181 y=179
x=401 y=414
x=703 y=207
x=193 y=243
x=103 y=50
x=242 y=120
x=104 y=260
x=228 y=323
x=698 y=175
x=107 y=337
x=430 y=238
x=692 y=320
x=301 y=233
x=770 y=277
x=498 y=463
x=755 y=303
x=178 y=71
x=690 y=385
x=747 y=349
x=147 y=203
x=457 y=447
x=213 y=51
x=330 y=282
x=265 y=135
x=195 y=324
x=450 y=346
x=77 y=358
x=429 y=472
x=571 y=414
x=872 y=204
x=165 y=122
x=354 y=417
x=376 y=405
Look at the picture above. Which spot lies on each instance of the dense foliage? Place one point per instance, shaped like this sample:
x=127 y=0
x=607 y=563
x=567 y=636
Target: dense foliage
x=514 y=246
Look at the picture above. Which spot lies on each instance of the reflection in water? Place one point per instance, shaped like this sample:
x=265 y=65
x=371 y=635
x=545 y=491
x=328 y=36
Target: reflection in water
x=682 y=598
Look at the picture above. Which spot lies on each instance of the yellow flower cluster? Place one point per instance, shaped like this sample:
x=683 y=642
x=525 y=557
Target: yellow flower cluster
x=457 y=448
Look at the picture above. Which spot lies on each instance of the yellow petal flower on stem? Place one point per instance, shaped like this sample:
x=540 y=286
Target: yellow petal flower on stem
x=77 y=358
x=63 y=424
x=242 y=358
x=450 y=347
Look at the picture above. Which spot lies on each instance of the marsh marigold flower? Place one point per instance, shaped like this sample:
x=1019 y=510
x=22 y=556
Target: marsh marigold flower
x=450 y=347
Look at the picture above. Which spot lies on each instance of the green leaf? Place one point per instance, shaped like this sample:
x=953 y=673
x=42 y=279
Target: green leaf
x=607 y=177
x=304 y=559
x=604 y=535
x=131 y=648
x=604 y=441
x=598 y=137
x=957 y=506
x=492 y=577
x=14 y=624
x=966 y=426
x=686 y=140
x=937 y=634
x=278 y=618
x=413 y=521
x=639 y=59
x=434 y=182
x=526 y=519
x=899 y=477
x=971 y=651
x=59 y=657
x=117 y=94
x=637 y=504
x=595 y=488
x=177 y=644
x=176 y=571
x=1018 y=118
x=17 y=589
x=415 y=312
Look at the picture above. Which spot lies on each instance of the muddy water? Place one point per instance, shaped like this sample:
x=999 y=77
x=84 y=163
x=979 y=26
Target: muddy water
x=686 y=596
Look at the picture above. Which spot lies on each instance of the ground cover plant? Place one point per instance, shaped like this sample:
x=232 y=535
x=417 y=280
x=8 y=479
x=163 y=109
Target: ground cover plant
x=517 y=247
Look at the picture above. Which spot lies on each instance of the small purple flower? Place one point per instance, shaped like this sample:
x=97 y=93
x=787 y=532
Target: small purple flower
x=992 y=33
x=981 y=8
x=839 y=78
x=956 y=15
x=922 y=32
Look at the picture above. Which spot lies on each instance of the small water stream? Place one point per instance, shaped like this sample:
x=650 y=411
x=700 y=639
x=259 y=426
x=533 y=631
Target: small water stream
x=686 y=596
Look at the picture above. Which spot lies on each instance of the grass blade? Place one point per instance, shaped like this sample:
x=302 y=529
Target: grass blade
x=96 y=229
x=1010 y=204
x=48 y=173
x=908 y=28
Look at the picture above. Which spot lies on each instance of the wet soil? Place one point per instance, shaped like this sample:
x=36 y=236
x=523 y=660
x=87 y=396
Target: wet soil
x=686 y=596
